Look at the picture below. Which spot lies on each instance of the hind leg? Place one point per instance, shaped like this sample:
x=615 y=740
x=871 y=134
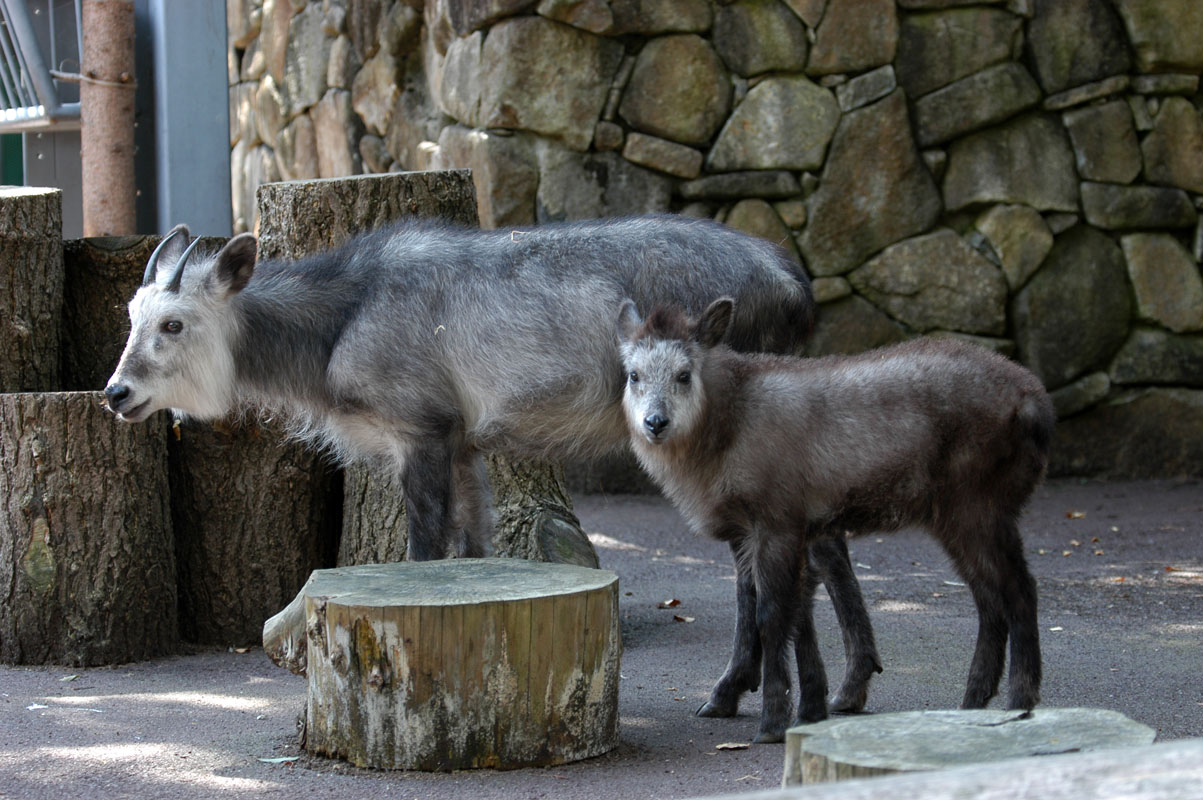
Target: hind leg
x=469 y=526
x=1025 y=673
x=829 y=558
x=990 y=559
x=743 y=670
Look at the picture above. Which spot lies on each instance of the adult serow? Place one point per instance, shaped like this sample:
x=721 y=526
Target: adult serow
x=419 y=346
x=773 y=453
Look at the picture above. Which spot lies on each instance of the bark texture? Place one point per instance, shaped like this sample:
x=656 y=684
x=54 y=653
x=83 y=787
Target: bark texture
x=87 y=569
x=106 y=108
x=462 y=663
x=297 y=218
x=31 y=288
x=254 y=515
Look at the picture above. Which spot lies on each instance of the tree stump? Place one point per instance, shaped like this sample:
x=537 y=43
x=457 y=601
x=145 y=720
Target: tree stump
x=31 y=285
x=914 y=741
x=254 y=515
x=461 y=663
x=87 y=569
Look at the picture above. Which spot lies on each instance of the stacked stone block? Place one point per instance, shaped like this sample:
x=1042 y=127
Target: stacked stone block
x=1027 y=173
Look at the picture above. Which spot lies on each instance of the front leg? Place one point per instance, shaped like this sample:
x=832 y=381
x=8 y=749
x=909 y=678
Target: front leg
x=426 y=481
x=780 y=565
x=743 y=670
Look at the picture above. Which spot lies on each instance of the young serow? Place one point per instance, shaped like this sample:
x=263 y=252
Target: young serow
x=774 y=453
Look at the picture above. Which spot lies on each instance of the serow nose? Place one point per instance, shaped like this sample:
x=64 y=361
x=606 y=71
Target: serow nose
x=655 y=424
x=115 y=394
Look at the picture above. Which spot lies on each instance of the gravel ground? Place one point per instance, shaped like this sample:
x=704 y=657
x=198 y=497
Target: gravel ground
x=1120 y=571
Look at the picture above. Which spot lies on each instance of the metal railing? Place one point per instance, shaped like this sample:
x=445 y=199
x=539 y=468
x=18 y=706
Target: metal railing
x=31 y=96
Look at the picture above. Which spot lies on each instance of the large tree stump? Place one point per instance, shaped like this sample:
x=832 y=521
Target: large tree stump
x=87 y=570
x=914 y=741
x=254 y=515
x=31 y=288
x=461 y=663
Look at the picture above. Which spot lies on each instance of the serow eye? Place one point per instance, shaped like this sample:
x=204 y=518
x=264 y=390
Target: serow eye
x=633 y=377
x=684 y=377
x=173 y=326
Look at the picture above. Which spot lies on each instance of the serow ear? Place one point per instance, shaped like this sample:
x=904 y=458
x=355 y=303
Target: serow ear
x=713 y=324
x=628 y=320
x=235 y=263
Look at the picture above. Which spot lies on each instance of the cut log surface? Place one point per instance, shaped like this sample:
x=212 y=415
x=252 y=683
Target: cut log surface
x=865 y=746
x=87 y=568
x=462 y=663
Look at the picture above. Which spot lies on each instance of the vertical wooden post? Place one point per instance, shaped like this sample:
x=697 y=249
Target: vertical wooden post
x=106 y=99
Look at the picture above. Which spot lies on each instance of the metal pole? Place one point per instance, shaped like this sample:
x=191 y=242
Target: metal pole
x=106 y=96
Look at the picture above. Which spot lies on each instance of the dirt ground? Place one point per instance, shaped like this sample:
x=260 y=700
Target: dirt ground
x=1120 y=571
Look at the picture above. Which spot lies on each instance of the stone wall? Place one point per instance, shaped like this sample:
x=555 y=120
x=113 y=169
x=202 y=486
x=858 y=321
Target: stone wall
x=1026 y=173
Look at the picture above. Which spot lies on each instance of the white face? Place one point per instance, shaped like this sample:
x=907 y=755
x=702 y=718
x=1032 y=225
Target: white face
x=663 y=395
x=177 y=356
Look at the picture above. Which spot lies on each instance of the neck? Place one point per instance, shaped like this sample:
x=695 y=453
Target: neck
x=288 y=328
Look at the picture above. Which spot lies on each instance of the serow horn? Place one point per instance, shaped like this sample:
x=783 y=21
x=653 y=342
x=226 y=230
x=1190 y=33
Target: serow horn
x=174 y=285
x=152 y=266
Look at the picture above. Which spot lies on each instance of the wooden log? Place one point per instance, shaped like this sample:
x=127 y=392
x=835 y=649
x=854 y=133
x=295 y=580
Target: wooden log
x=87 y=569
x=31 y=288
x=462 y=663
x=254 y=515
x=881 y=744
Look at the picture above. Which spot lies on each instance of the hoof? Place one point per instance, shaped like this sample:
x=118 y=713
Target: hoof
x=711 y=709
x=769 y=737
x=844 y=702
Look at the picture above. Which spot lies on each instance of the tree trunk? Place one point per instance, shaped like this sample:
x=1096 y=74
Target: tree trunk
x=31 y=288
x=254 y=515
x=915 y=741
x=86 y=550
x=298 y=218
x=106 y=104
x=462 y=663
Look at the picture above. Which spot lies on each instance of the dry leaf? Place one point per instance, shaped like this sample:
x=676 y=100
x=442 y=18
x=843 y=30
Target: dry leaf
x=1098 y=552
x=679 y=618
x=1075 y=514
x=1075 y=543
x=1172 y=569
x=673 y=603
x=732 y=746
x=1120 y=579
x=1067 y=552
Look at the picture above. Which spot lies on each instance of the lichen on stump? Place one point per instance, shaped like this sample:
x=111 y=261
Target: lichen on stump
x=462 y=663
